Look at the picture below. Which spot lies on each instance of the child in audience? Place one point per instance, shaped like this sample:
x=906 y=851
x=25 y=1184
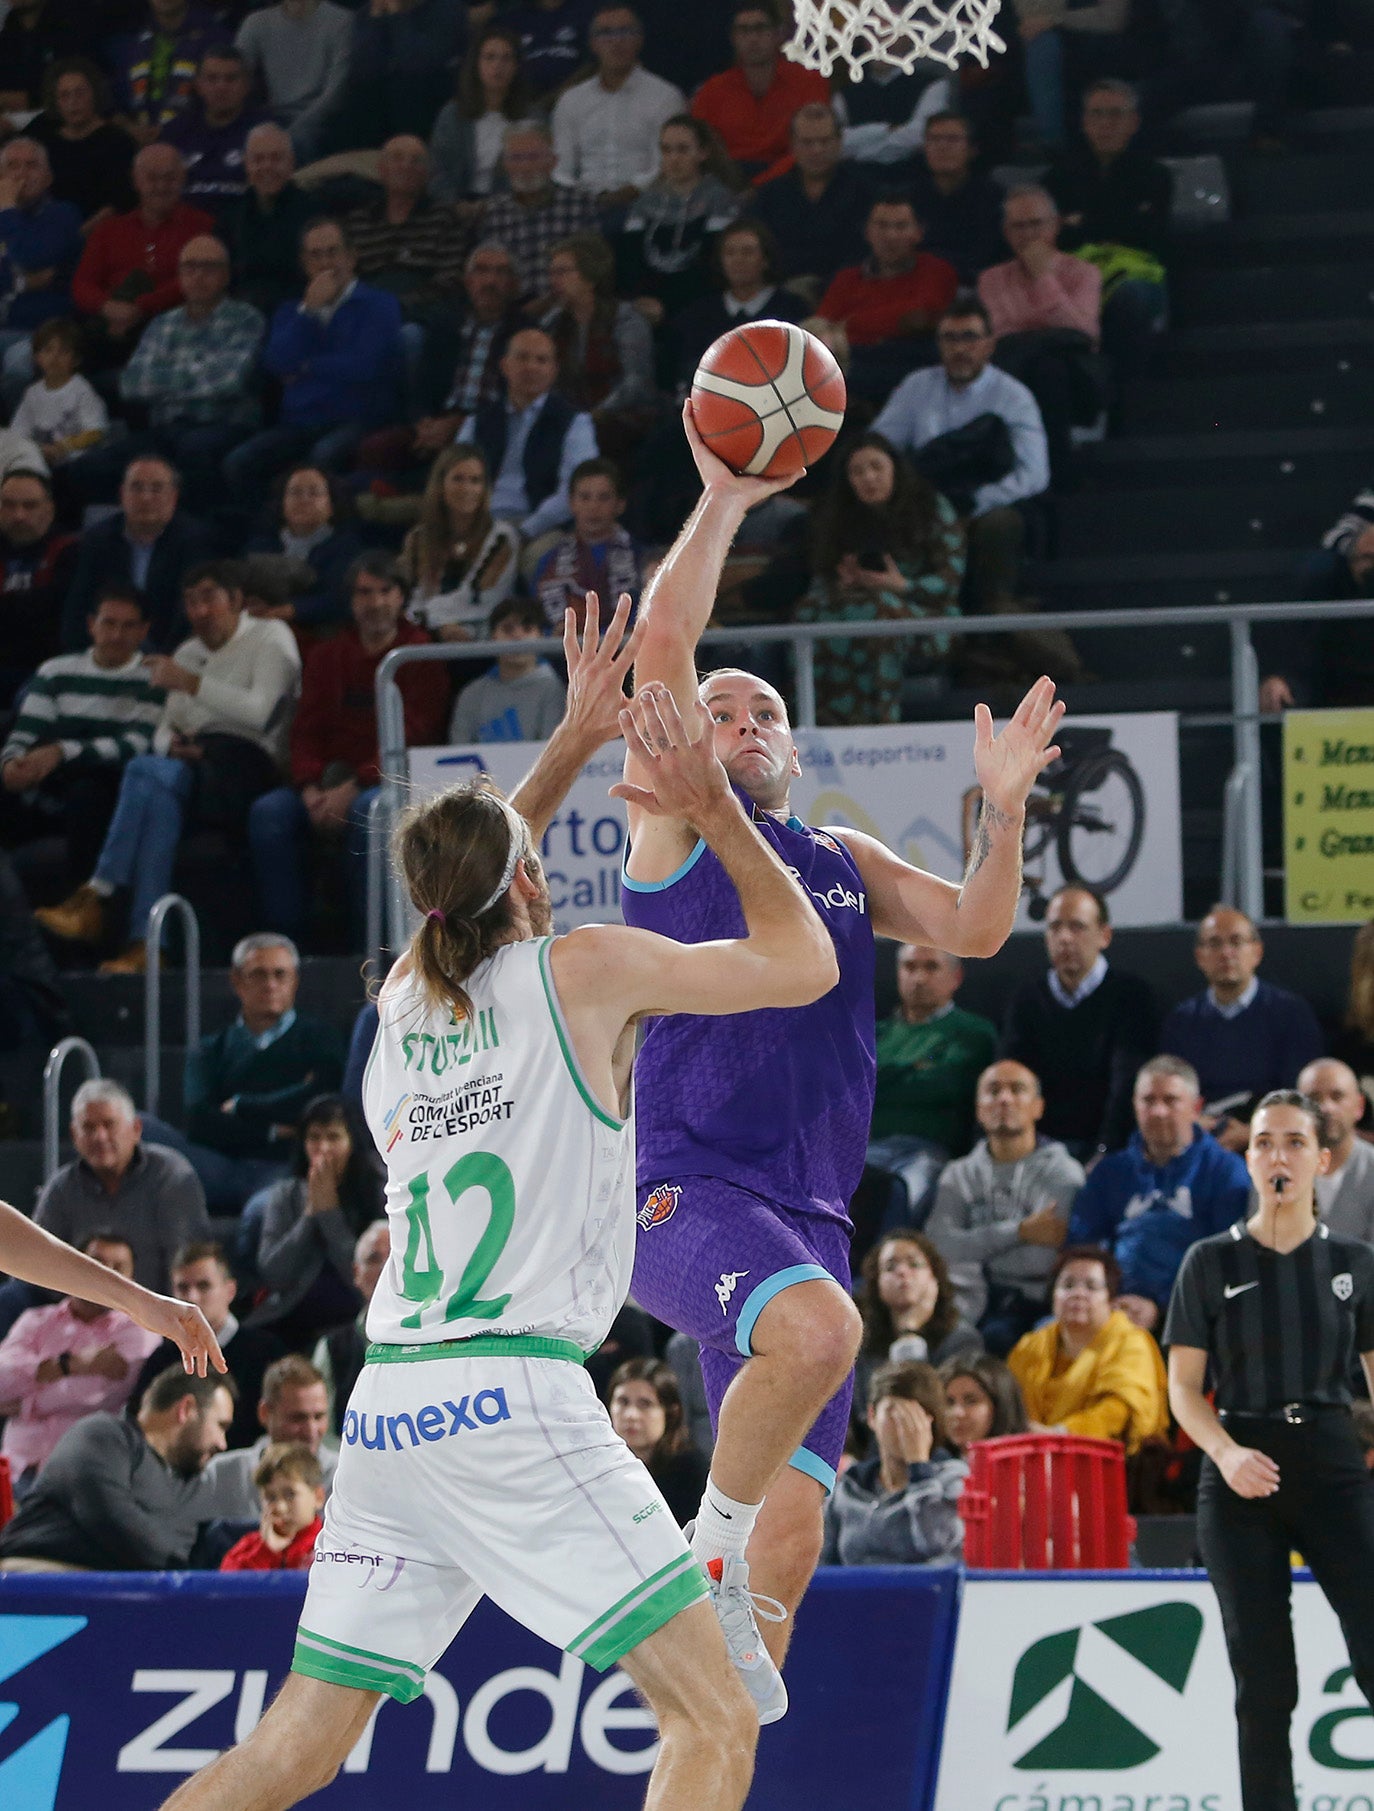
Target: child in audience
x=290 y=1487
x=521 y=698
x=62 y=411
x=598 y=555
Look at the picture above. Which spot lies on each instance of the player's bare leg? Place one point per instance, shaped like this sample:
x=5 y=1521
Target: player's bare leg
x=803 y=1347
x=707 y=1725
x=804 y=1344
x=296 y=1749
x=785 y=1549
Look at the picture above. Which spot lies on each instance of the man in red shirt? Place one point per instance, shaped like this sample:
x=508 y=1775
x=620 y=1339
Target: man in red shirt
x=128 y=271
x=334 y=753
x=751 y=105
x=888 y=305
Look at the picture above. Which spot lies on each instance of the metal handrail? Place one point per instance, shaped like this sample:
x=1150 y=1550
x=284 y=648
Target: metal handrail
x=375 y=830
x=1241 y=822
x=52 y=1094
x=152 y=990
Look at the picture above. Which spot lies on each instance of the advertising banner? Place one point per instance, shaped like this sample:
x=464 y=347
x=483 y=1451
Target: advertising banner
x=1107 y=814
x=1113 y=1693
x=1328 y=816
x=113 y=1689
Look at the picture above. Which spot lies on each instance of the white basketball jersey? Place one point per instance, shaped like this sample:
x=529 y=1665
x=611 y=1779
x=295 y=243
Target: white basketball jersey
x=510 y=1190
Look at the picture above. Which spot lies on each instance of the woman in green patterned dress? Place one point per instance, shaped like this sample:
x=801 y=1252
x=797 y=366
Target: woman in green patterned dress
x=885 y=544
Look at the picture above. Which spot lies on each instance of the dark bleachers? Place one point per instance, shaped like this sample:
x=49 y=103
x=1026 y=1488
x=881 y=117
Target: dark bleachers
x=108 y=1011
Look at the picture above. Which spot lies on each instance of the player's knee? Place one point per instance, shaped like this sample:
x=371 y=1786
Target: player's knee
x=816 y=1333
x=322 y=1771
x=834 y=1340
x=717 y=1718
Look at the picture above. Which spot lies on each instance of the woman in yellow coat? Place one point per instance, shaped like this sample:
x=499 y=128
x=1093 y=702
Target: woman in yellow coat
x=1091 y=1371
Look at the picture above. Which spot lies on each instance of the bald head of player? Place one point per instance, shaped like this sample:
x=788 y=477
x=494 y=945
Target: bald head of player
x=753 y=736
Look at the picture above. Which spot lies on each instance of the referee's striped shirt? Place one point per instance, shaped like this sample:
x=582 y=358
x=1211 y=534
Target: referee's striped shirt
x=1280 y=1327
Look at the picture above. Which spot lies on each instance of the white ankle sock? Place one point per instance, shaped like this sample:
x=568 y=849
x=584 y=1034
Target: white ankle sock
x=723 y=1525
x=103 y=889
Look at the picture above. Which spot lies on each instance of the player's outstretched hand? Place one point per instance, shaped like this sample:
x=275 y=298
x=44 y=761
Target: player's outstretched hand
x=1010 y=763
x=688 y=782
x=717 y=476
x=598 y=666
x=184 y=1323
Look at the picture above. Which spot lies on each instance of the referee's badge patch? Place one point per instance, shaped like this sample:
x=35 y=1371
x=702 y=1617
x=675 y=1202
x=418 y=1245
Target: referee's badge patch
x=1342 y=1286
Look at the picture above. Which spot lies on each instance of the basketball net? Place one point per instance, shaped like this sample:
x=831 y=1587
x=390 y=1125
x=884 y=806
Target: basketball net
x=858 y=31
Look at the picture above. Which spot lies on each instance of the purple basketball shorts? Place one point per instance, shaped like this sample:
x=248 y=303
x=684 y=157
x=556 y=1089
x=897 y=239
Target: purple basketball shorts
x=709 y=1257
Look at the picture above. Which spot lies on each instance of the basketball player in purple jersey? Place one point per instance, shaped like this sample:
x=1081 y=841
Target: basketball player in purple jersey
x=752 y=1129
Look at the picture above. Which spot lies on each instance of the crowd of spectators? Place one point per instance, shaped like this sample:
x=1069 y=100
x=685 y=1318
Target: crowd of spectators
x=286 y=287
x=1016 y=1277
x=330 y=329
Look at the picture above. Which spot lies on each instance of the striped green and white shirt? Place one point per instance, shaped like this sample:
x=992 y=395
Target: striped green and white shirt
x=95 y=714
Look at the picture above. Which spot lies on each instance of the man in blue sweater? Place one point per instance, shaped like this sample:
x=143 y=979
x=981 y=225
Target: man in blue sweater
x=1172 y=1185
x=1243 y=1035
x=337 y=353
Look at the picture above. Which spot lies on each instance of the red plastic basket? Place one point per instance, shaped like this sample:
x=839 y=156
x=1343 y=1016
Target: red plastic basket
x=1046 y=1502
x=6 y=1493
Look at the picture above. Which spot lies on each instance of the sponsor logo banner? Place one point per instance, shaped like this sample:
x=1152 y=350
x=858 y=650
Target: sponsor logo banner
x=1328 y=816
x=113 y=1689
x=1107 y=815
x=1114 y=1694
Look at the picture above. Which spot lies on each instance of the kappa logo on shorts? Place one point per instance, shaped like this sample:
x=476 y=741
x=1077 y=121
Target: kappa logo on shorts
x=725 y=1288
x=1343 y=1286
x=428 y=1423
x=660 y=1204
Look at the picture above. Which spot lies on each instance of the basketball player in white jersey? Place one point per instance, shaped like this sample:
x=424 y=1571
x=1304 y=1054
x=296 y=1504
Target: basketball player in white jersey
x=476 y=1458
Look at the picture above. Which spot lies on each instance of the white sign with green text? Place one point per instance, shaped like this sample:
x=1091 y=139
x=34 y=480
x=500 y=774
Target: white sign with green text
x=1114 y=1694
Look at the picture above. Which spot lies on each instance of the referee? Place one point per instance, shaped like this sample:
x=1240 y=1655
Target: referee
x=1278 y=1307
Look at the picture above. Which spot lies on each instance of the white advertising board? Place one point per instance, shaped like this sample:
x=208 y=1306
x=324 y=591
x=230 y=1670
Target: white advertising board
x=1114 y=1694
x=911 y=786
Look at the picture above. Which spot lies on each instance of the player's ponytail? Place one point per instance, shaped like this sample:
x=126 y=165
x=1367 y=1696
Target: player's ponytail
x=457 y=854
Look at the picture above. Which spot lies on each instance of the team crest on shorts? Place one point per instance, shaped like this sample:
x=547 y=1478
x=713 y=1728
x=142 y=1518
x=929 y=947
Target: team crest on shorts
x=659 y=1205
x=1343 y=1286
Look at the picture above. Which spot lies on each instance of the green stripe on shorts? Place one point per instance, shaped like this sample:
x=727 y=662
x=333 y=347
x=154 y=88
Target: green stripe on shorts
x=320 y=1657
x=481 y=1345
x=640 y=1612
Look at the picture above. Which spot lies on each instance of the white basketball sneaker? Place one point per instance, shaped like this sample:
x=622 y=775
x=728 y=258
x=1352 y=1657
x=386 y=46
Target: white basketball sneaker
x=738 y=1610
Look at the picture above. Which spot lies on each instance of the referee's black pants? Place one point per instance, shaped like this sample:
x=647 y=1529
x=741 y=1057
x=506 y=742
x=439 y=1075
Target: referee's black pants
x=1323 y=1508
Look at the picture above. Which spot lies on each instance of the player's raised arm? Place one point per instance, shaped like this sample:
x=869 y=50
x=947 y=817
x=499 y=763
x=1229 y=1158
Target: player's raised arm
x=598 y=666
x=679 y=602
x=785 y=958
x=976 y=917
x=35 y=1256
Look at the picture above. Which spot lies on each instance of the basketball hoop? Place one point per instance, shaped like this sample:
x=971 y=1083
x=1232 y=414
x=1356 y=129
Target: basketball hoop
x=902 y=34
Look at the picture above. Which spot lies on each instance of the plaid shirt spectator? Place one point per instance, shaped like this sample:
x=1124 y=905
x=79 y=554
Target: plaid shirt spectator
x=529 y=232
x=187 y=370
x=475 y=375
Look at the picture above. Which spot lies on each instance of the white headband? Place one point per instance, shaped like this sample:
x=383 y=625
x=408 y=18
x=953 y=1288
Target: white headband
x=519 y=834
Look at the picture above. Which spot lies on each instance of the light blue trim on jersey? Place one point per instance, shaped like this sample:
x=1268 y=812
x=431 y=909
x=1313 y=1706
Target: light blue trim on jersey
x=807 y=1462
x=661 y=886
x=758 y=1299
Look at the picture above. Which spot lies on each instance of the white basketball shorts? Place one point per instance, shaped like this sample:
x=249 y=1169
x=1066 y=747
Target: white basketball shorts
x=493 y=1471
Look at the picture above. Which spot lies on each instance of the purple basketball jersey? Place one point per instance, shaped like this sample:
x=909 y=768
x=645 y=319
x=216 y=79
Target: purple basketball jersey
x=777 y=1101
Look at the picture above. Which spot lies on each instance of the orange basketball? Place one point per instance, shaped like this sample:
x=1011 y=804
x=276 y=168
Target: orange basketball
x=768 y=398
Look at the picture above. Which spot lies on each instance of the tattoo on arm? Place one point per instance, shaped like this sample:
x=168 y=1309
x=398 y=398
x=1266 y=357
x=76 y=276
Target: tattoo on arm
x=991 y=817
